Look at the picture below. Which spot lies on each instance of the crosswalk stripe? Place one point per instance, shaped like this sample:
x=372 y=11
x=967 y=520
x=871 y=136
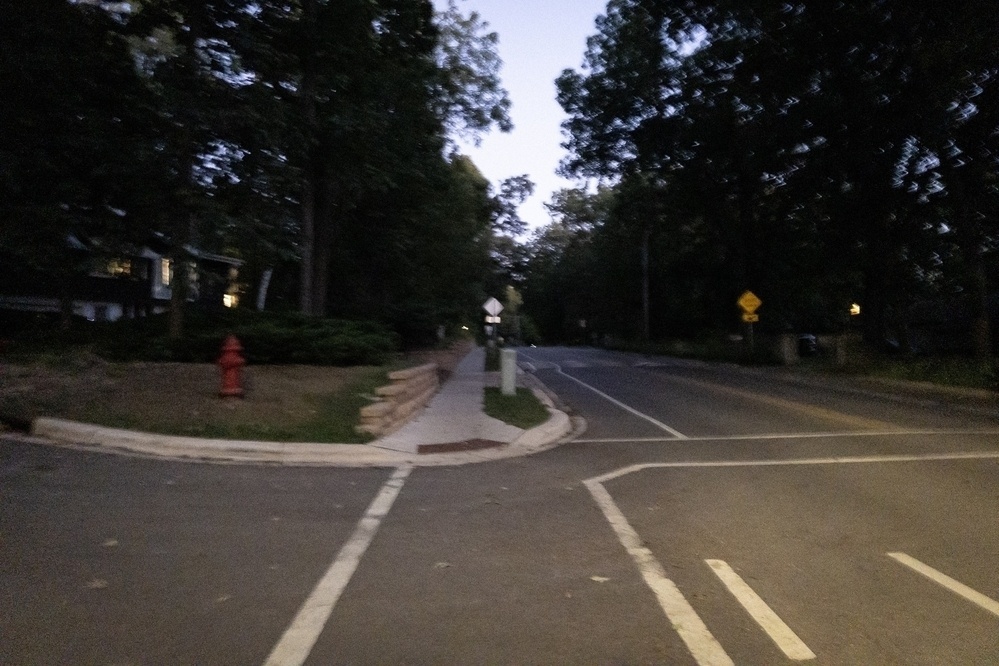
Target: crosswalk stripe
x=946 y=581
x=705 y=649
x=301 y=635
x=769 y=621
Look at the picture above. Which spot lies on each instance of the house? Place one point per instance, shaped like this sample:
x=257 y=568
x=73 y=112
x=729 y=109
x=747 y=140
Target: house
x=128 y=287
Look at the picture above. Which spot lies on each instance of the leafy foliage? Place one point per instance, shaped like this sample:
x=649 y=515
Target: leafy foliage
x=816 y=153
x=266 y=339
x=309 y=134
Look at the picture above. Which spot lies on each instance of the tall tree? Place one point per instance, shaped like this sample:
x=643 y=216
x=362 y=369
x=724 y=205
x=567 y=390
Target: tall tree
x=71 y=124
x=794 y=133
x=357 y=82
x=181 y=48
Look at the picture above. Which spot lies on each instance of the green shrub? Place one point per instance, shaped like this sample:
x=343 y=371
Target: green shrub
x=266 y=339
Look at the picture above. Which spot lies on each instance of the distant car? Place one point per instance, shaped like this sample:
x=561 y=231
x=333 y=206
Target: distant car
x=808 y=344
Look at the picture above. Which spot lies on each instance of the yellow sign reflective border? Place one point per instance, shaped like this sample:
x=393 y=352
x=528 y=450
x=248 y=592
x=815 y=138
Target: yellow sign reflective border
x=749 y=302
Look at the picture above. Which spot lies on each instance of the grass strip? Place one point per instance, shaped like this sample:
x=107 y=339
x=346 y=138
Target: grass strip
x=523 y=409
x=948 y=371
x=333 y=418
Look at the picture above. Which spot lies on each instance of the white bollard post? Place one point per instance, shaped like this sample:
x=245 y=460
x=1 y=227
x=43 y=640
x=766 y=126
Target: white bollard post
x=508 y=371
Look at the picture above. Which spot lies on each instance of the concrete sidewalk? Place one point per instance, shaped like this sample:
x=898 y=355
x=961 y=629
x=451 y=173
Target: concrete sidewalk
x=454 y=418
x=451 y=430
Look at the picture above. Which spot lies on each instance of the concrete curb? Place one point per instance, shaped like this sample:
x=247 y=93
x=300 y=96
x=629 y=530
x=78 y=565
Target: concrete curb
x=86 y=436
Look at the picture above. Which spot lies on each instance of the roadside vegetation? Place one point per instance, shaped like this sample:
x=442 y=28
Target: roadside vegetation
x=267 y=337
x=282 y=403
x=860 y=359
x=839 y=160
x=305 y=378
x=522 y=409
x=943 y=370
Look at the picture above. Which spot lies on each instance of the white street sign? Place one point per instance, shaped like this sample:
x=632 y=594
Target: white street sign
x=493 y=307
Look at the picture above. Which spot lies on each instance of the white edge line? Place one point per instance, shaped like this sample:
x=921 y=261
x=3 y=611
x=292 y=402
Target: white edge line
x=946 y=581
x=781 y=634
x=845 y=460
x=301 y=635
x=705 y=649
x=800 y=435
x=631 y=410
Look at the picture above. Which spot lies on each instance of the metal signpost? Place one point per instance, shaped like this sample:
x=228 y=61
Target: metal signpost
x=492 y=308
x=749 y=302
x=508 y=357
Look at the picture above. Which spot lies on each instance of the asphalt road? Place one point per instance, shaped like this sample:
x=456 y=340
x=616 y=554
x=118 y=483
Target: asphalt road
x=706 y=515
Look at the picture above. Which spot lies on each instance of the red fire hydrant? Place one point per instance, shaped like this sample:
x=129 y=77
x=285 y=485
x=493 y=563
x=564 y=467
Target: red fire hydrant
x=230 y=363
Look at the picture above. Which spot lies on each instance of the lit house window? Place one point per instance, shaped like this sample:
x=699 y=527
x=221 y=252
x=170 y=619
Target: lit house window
x=165 y=272
x=117 y=267
x=230 y=300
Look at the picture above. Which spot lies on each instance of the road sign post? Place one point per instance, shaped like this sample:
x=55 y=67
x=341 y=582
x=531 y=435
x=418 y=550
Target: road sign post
x=508 y=371
x=749 y=303
x=492 y=307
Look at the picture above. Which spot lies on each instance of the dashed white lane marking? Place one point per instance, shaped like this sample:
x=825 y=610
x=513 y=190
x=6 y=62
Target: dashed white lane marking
x=946 y=581
x=769 y=621
x=705 y=649
x=303 y=632
x=627 y=408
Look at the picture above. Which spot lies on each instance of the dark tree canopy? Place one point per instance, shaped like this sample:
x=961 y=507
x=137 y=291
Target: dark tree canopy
x=311 y=137
x=814 y=152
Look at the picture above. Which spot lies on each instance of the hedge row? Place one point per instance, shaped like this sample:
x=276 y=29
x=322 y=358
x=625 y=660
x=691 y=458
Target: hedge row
x=272 y=338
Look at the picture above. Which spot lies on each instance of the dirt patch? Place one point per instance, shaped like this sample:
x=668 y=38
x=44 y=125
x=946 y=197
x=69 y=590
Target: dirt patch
x=281 y=401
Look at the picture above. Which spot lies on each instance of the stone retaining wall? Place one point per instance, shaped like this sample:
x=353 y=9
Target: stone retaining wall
x=410 y=390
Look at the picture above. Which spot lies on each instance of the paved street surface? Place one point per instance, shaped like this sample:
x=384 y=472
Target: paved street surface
x=706 y=515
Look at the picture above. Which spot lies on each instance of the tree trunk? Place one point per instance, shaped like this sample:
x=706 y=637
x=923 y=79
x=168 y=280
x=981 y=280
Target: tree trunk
x=65 y=313
x=308 y=245
x=309 y=181
x=323 y=248
x=646 y=328
x=981 y=329
x=265 y=283
x=971 y=240
x=178 y=281
x=879 y=262
x=178 y=294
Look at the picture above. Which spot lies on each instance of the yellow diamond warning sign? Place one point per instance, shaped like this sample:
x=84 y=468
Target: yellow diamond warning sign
x=749 y=302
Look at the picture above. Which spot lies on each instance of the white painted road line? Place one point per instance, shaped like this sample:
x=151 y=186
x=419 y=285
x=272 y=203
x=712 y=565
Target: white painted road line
x=769 y=621
x=798 y=435
x=303 y=632
x=705 y=649
x=946 y=581
x=844 y=460
x=631 y=410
